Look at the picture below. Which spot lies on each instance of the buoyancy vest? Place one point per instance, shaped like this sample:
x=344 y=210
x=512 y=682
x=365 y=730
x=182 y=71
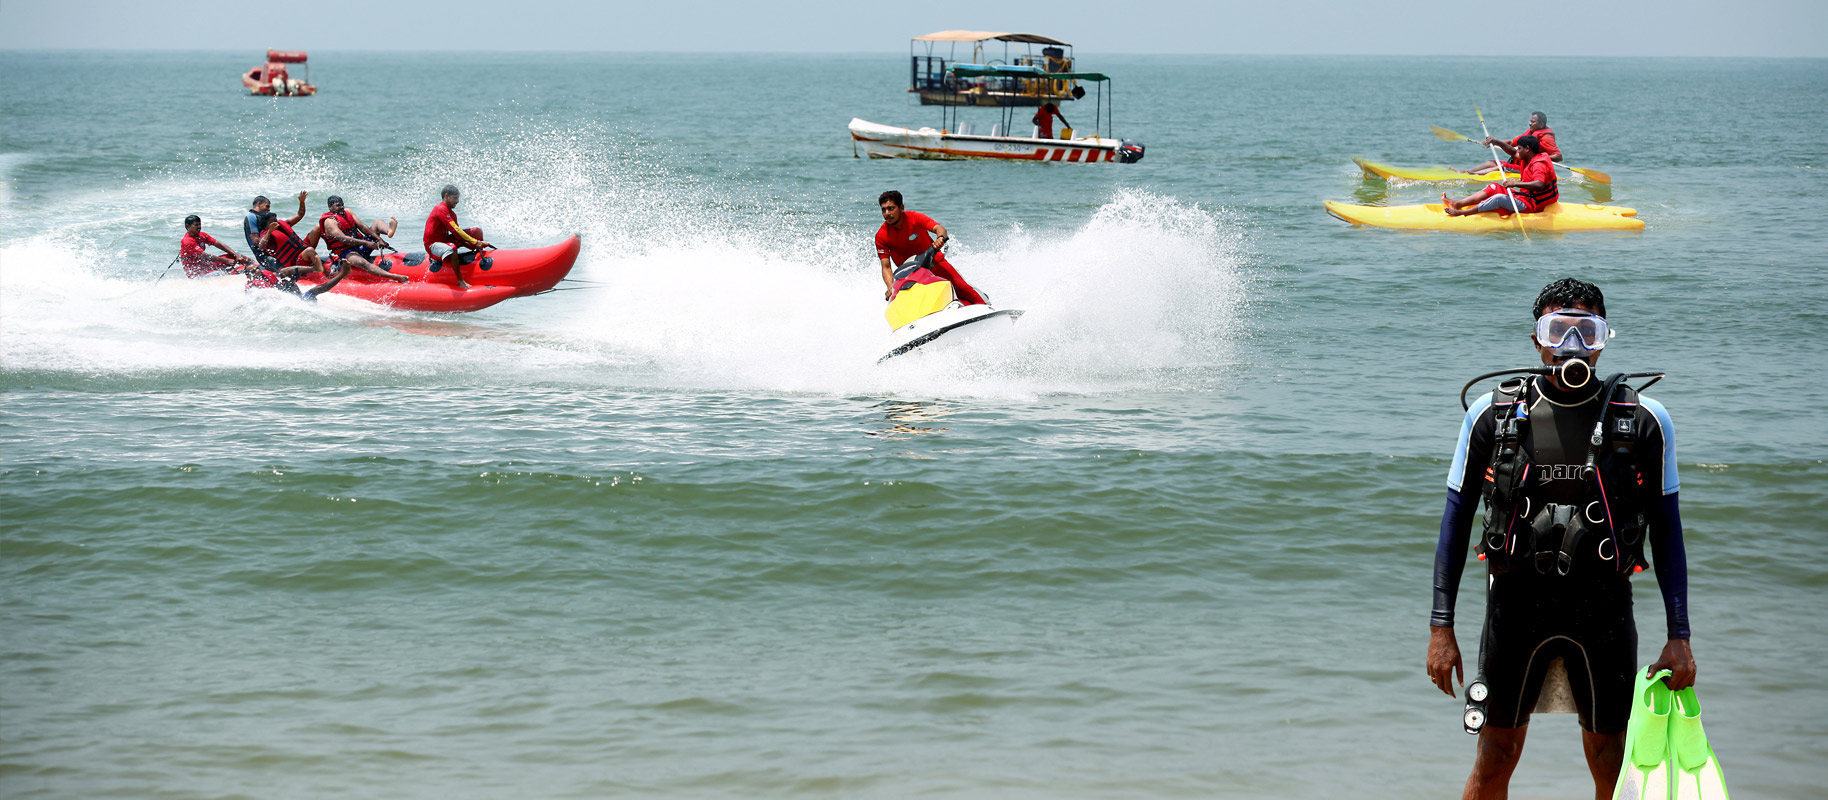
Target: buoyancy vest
x=346 y=222
x=286 y=246
x=1540 y=199
x=1605 y=525
x=1538 y=133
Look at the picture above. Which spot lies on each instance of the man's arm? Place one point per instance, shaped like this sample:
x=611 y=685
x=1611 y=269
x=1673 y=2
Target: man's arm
x=225 y=248
x=1667 y=553
x=1507 y=147
x=335 y=231
x=940 y=235
x=1471 y=452
x=301 y=210
x=463 y=235
x=888 y=278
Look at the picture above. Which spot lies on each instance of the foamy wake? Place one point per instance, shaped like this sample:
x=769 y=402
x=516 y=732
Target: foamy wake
x=680 y=295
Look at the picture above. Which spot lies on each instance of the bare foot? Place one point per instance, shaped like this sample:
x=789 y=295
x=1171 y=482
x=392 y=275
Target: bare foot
x=462 y=286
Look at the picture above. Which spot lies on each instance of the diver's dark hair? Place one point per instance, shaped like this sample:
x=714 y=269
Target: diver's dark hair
x=332 y=200
x=448 y=190
x=193 y=218
x=891 y=195
x=1541 y=116
x=1531 y=142
x=258 y=199
x=1570 y=292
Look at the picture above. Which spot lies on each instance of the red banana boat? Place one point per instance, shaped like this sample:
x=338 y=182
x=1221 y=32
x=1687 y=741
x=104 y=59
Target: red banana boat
x=496 y=276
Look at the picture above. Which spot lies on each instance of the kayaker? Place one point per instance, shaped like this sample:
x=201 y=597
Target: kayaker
x=443 y=236
x=906 y=234
x=352 y=242
x=1533 y=190
x=1044 y=121
x=1539 y=128
x=1559 y=563
x=250 y=224
x=279 y=247
x=193 y=252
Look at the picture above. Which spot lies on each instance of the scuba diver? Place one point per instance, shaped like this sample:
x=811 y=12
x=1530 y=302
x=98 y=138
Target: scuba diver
x=1577 y=476
x=907 y=234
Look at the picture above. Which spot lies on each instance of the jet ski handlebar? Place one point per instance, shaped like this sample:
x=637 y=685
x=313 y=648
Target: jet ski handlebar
x=922 y=261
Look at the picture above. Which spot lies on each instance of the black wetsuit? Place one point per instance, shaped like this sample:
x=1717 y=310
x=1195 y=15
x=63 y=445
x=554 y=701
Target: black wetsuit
x=1583 y=617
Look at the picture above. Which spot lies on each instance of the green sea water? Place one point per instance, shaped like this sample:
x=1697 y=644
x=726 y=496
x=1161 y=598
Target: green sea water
x=675 y=534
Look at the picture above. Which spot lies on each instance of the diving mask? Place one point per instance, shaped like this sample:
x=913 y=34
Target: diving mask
x=1556 y=327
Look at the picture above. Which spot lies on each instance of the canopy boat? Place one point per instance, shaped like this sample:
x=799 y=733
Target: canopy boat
x=932 y=77
x=274 y=79
x=955 y=140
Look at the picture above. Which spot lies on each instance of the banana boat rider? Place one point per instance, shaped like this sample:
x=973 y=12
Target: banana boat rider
x=287 y=259
x=1534 y=189
x=443 y=236
x=352 y=242
x=279 y=247
x=1577 y=476
x=250 y=224
x=193 y=252
x=1539 y=128
x=906 y=234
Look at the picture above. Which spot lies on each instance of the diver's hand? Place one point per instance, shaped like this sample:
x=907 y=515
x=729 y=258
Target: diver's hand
x=1444 y=659
x=1680 y=661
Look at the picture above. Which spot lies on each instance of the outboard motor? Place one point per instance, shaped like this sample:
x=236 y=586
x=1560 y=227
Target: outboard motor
x=1129 y=152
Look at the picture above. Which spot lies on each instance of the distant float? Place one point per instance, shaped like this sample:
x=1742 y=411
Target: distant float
x=274 y=78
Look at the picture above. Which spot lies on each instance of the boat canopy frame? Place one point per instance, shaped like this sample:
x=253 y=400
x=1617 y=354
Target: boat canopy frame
x=929 y=72
x=1103 y=104
x=282 y=57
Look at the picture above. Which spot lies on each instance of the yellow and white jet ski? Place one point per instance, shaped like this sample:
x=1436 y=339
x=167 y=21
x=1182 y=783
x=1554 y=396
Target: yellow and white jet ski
x=923 y=307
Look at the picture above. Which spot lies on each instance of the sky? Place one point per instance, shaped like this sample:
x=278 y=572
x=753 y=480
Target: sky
x=1765 y=28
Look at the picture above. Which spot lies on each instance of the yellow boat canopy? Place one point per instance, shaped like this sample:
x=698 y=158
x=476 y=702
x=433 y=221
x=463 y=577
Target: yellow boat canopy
x=986 y=36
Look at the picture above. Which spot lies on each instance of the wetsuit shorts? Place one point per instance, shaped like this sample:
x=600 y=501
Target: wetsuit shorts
x=1531 y=619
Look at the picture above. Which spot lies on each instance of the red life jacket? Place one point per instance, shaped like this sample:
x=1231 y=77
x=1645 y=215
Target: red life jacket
x=1539 y=133
x=1538 y=199
x=285 y=245
x=345 y=221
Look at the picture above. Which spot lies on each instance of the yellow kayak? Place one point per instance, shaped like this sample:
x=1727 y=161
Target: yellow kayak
x=1557 y=217
x=1375 y=170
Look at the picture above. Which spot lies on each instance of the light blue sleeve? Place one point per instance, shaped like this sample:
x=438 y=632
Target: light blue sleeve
x=1456 y=474
x=1671 y=483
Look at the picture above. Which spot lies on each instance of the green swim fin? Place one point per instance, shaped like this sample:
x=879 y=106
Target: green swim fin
x=1697 y=773
x=1647 y=772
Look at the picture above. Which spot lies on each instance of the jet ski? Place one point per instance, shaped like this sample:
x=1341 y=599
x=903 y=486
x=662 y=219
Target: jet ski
x=923 y=307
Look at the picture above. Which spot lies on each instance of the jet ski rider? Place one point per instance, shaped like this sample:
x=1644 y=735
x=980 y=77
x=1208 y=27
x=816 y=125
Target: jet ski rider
x=1554 y=587
x=906 y=234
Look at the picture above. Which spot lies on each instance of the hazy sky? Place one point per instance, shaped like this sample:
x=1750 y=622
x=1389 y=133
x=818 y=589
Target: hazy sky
x=1423 y=27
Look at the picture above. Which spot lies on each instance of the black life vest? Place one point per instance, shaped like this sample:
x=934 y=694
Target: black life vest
x=1608 y=522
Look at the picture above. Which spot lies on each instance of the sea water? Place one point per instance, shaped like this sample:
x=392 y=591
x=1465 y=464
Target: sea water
x=674 y=533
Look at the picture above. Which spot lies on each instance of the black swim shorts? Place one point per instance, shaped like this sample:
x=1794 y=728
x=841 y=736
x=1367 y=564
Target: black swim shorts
x=1530 y=619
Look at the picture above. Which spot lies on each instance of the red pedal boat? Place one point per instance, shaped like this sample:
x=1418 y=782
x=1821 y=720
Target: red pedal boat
x=273 y=79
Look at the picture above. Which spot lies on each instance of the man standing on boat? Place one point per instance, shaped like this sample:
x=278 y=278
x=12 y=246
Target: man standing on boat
x=1044 y=121
x=906 y=234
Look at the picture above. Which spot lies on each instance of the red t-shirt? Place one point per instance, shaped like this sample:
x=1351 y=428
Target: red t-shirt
x=911 y=238
x=196 y=259
x=438 y=226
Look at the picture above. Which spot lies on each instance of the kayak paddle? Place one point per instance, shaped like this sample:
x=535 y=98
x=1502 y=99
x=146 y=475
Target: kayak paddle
x=1597 y=176
x=1516 y=207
